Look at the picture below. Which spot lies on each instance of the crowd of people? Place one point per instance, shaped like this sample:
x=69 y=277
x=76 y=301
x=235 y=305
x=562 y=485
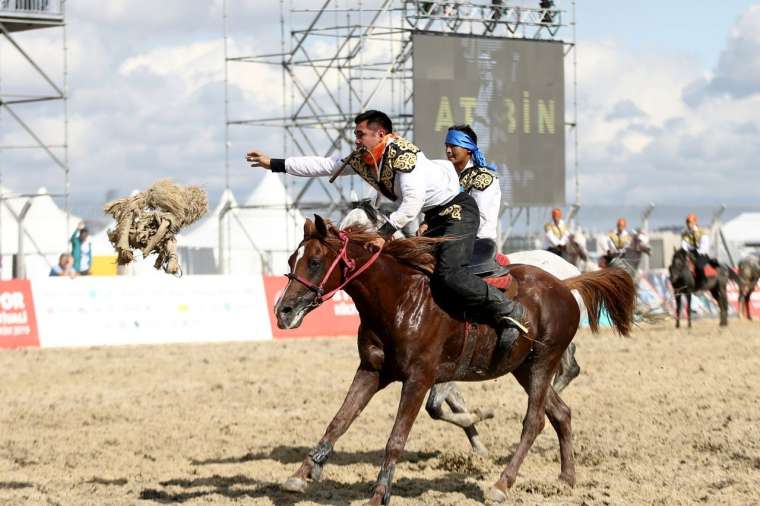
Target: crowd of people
x=78 y=260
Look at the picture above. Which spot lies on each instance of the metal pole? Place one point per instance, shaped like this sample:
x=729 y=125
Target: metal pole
x=715 y=230
x=66 y=170
x=575 y=112
x=222 y=267
x=20 y=262
x=226 y=102
x=645 y=228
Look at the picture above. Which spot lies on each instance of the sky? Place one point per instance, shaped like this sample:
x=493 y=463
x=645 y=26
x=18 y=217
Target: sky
x=668 y=95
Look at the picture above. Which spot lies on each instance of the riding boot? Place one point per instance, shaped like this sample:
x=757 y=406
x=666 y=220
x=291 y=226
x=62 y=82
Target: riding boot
x=508 y=315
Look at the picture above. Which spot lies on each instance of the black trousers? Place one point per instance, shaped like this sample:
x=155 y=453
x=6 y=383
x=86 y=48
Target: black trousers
x=458 y=219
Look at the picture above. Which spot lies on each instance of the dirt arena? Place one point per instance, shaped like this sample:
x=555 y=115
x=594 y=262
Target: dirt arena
x=664 y=417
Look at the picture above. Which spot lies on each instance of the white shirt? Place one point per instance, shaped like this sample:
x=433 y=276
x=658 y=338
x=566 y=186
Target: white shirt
x=86 y=249
x=489 y=202
x=704 y=243
x=554 y=240
x=611 y=247
x=428 y=185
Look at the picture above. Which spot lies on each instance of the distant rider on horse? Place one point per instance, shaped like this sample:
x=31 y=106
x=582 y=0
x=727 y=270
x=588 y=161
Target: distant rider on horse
x=556 y=233
x=616 y=242
x=402 y=173
x=696 y=242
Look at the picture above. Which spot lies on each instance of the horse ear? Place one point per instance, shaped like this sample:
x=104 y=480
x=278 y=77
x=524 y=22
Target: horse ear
x=308 y=228
x=320 y=225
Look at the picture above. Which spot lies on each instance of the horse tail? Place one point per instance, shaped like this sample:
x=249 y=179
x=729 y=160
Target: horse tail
x=611 y=289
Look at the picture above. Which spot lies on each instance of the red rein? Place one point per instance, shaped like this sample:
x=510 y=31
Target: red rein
x=349 y=271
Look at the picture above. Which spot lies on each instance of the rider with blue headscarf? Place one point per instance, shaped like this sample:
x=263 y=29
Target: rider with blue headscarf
x=476 y=176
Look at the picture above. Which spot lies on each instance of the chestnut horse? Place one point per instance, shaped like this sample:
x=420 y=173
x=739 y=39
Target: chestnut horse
x=405 y=335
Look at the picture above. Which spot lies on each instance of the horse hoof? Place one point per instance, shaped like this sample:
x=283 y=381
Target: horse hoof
x=496 y=495
x=484 y=414
x=294 y=484
x=568 y=479
x=478 y=449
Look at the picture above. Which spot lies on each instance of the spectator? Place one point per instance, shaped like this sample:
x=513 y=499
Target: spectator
x=81 y=250
x=64 y=267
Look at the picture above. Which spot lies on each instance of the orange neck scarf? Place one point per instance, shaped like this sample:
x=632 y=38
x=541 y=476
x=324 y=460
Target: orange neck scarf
x=372 y=156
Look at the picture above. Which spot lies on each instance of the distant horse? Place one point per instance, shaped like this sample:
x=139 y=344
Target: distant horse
x=574 y=253
x=749 y=275
x=366 y=215
x=684 y=281
x=406 y=336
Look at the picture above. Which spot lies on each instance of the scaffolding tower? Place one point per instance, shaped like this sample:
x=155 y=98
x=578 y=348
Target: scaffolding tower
x=350 y=55
x=17 y=105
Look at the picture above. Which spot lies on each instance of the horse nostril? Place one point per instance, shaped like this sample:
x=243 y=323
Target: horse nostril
x=286 y=309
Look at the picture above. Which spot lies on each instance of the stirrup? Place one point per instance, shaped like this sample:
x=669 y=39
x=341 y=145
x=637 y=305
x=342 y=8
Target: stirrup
x=522 y=328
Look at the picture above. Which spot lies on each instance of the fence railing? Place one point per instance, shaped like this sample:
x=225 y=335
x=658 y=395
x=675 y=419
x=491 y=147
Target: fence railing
x=31 y=7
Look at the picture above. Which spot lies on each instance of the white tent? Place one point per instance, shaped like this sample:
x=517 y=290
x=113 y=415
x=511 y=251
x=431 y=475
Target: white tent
x=46 y=229
x=742 y=235
x=257 y=237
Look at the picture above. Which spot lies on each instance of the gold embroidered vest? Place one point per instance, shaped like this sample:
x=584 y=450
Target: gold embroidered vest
x=475 y=178
x=693 y=238
x=399 y=156
x=618 y=241
x=558 y=231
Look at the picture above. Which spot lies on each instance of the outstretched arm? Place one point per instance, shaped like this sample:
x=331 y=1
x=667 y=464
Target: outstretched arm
x=306 y=166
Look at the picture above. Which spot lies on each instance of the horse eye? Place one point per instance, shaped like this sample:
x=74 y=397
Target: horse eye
x=313 y=264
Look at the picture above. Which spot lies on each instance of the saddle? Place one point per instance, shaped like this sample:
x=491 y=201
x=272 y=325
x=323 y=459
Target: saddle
x=709 y=271
x=487 y=263
x=479 y=347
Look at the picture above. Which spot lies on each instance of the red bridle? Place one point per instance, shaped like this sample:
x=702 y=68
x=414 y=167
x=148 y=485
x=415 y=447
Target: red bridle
x=350 y=272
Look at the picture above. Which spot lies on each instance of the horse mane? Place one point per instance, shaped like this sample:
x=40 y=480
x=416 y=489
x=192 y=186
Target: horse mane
x=417 y=252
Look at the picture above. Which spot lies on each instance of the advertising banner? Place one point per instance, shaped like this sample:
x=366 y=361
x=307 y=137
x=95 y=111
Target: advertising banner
x=118 y=310
x=18 y=321
x=336 y=317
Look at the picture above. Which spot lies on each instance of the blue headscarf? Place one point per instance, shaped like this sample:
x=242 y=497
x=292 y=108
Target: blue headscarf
x=461 y=139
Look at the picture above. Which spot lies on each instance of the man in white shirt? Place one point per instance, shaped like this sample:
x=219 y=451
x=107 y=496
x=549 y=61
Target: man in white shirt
x=557 y=235
x=616 y=241
x=696 y=241
x=476 y=177
x=402 y=173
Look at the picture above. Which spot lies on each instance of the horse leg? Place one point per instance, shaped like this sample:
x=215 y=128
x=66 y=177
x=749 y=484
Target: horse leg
x=559 y=416
x=719 y=294
x=535 y=377
x=688 y=308
x=678 y=310
x=747 y=299
x=365 y=384
x=412 y=395
x=568 y=369
x=460 y=416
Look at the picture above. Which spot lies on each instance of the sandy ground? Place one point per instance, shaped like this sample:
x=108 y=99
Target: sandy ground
x=664 y=417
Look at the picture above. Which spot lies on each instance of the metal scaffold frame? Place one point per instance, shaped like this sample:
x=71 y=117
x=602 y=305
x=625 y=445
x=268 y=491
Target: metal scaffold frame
x=24 y=15
x=350 y=55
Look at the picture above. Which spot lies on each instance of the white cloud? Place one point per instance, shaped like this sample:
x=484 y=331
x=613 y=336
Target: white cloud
x=643 y=136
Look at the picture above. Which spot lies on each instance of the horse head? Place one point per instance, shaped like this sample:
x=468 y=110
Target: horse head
x=311 y=275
